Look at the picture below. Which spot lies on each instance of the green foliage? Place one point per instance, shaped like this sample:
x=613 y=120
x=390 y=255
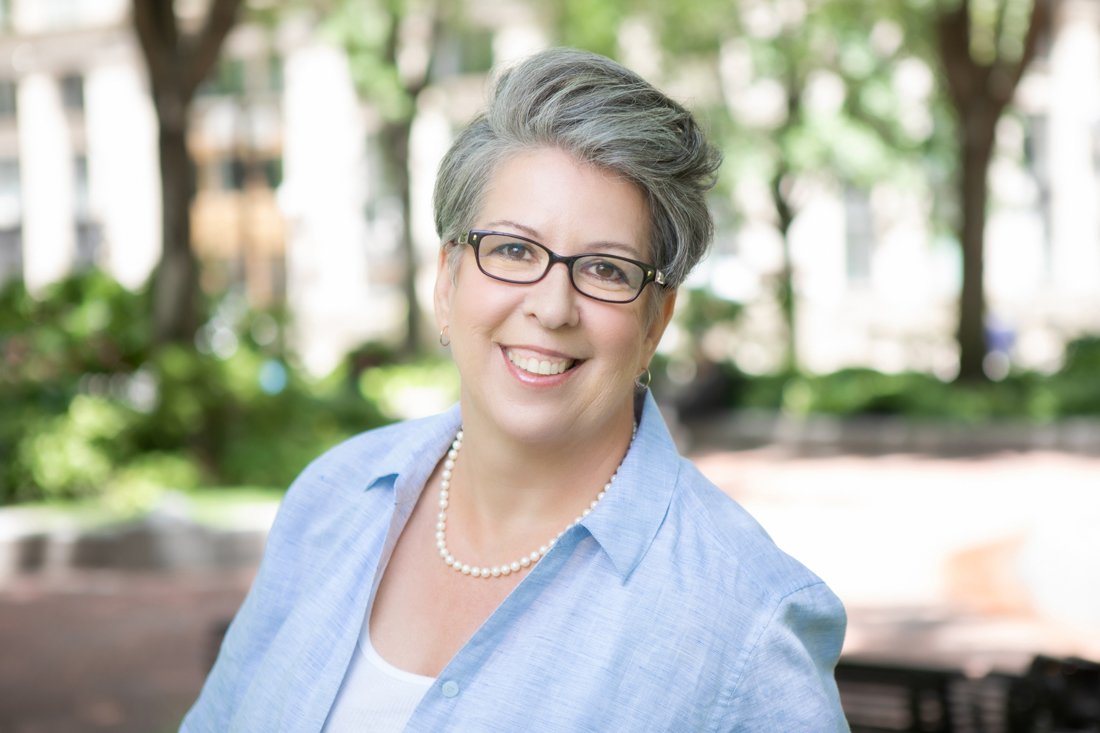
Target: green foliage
x=588 y=25
x=698 y=310
x=92 y=411
x=1077 y=390
x=374 y=37
x=411 y=390
x=1074 y=391
x=71 y=454
x=365 y=29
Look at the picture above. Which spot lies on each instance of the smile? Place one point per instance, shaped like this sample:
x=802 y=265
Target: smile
x=542 y=366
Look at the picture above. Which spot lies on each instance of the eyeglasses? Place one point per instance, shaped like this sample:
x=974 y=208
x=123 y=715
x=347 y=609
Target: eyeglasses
x=511 y=258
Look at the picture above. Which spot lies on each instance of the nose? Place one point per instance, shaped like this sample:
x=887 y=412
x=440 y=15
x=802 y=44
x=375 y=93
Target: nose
x=552 y=300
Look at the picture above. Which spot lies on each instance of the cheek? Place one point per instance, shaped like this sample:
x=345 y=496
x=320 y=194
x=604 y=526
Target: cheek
x=479 y=307
x=628 y=341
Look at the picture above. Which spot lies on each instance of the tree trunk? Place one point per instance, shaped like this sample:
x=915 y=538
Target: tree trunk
x=979 y=92
x=177 y=63
x=977 y=128
x=176 y=296
x=395 y=139
x=785 y=213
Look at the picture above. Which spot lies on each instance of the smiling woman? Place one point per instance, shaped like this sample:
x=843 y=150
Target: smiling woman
x=539 y=557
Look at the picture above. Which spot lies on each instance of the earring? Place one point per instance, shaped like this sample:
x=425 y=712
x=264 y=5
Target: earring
x=642 y=380
x=444 y=339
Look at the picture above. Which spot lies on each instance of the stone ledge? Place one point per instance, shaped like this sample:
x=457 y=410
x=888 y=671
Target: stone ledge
x=165 y=540
x=822 y=434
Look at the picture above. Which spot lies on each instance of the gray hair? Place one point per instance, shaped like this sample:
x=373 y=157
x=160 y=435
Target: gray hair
x=605 y=115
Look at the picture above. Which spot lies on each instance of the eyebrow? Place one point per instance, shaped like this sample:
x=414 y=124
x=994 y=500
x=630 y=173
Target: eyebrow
x=534 y=234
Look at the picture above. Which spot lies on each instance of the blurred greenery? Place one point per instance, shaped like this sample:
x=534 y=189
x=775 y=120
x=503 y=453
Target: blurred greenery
x=1072 y=392
x=93 y=412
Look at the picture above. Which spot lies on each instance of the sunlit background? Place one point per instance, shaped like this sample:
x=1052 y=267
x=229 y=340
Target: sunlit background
x=884 y=162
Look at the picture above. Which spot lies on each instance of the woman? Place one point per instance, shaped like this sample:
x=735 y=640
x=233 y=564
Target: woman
x=539 y=557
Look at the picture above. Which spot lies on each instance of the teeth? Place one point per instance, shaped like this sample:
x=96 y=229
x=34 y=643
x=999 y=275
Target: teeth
x=544 y=367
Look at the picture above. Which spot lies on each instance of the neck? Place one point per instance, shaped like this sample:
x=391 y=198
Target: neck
x=506 y=481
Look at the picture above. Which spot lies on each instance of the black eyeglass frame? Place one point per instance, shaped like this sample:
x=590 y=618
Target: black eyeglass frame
x=650 y=273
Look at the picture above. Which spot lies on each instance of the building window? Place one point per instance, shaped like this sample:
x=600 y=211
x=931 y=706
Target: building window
x=72 y=92
x=7 y=99
x=464 y=51
x=81 y=197
x=859 y=234
x=11 y=253
x=274 y=74
x=11 y=192
x=230 y=174
x=227 y=80
x=11 y=229
x=273 y=172
x=89 y=233
x=89 y=240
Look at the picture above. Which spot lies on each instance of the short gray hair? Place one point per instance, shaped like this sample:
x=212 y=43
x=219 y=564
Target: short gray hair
x=603 y=114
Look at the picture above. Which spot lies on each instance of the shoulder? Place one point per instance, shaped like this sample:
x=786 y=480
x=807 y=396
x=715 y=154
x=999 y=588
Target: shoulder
x=374 y=453
x=787 y=624
x=342 y=476
x=753 y=588
x=723 y=528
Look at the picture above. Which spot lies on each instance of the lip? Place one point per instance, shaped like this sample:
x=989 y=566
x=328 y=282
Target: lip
x=535 y=352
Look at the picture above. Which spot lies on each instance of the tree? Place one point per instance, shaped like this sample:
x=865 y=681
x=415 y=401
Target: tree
x=392 y=46
x=796 y=77
x=983 y=50
x=178 y=61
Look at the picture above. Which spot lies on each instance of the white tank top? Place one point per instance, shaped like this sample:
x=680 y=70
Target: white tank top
x=375 y=695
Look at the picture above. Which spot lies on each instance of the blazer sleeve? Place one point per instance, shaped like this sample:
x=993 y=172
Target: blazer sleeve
x=788 y=683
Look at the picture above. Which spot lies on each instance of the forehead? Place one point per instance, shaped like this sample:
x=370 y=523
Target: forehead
x=567 y=203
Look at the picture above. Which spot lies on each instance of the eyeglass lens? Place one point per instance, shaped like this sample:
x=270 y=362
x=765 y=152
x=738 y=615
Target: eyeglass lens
x=601 y=276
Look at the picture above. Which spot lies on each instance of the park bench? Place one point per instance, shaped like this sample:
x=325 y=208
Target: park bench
x=1052 y=696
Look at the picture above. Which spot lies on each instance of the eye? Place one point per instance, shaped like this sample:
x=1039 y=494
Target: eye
x=513 y=251
x=605 y=270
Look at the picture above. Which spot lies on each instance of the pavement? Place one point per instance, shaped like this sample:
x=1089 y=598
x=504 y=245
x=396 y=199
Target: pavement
x=101 y=650
x=976 y=561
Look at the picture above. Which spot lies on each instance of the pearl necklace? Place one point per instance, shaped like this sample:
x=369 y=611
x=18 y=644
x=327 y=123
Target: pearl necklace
x=516 y=566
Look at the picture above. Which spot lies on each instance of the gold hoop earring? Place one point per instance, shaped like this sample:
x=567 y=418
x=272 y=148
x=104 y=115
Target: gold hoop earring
x=444 y=339
x=642 y=380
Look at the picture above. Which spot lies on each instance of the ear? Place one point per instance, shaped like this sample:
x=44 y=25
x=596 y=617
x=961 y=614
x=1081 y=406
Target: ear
x=656 y=328
x=444 y=284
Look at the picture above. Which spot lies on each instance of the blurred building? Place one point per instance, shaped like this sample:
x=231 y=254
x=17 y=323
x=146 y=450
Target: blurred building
x=292 y=208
